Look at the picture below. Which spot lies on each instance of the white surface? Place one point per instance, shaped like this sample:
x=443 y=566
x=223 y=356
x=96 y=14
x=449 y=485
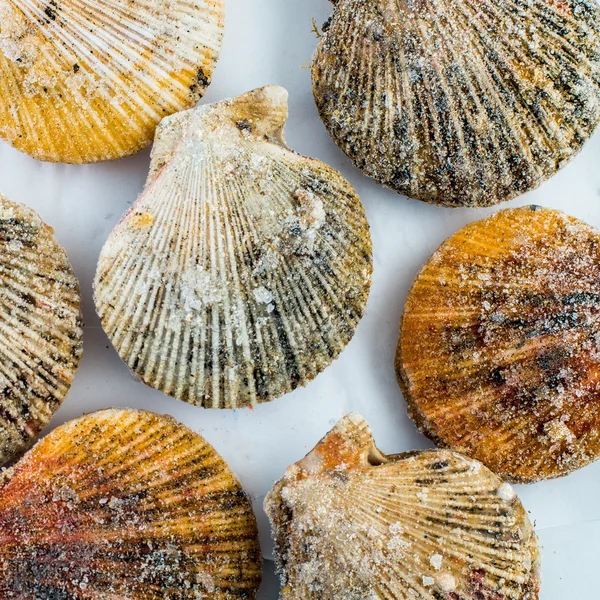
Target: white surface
x=270 y=41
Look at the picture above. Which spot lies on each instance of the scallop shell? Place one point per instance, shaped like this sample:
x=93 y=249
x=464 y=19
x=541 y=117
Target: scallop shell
x=243 y=269
x=126 y=504
x=40 y=327
x=460 y=102
x=499 y=351
x=350 y=522
x=82 y=82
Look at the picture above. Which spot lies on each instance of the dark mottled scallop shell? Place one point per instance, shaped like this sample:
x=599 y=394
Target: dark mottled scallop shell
x=126 y=504
x=88 y=81
x=243 y=269
x=40 y=327
x=499 y=350
x=460 y=102
x=352 y=523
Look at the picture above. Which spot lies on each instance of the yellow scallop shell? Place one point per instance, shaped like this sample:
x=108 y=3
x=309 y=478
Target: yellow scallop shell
x=82 y=82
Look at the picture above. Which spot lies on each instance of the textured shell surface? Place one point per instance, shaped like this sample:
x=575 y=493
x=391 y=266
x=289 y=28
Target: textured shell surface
x=460 y=102
x=126 y=504
x=243 y=269
x=82 y=82
x=499 y=354
x=40 y=327
x=350 y=522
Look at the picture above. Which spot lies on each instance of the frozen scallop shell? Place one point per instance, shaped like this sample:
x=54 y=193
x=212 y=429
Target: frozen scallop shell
x=82 y=82
x=499 y=350
x=242 y=270
x=350 y=522
x=126 y=504
x=40 y=327
x=460 y=102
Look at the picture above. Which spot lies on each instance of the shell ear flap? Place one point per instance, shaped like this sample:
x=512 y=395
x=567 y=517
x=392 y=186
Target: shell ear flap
x=169 y=134
x=262 y=112
x=349 y=443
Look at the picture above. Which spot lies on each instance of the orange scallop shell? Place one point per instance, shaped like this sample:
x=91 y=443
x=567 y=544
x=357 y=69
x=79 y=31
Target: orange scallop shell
x=499 y=350
x=126 y=504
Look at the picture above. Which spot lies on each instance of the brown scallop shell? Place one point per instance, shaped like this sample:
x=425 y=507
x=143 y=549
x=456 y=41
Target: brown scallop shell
x=40 y=327
x=351 y=523
x=460 y=102
x=125 y=504
x=499 y=350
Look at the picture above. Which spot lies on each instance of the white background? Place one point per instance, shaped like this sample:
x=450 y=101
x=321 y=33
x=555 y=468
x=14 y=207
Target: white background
x=270 y=42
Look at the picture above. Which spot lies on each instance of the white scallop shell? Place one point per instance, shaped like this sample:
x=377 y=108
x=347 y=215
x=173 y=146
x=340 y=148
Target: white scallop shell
x=89 y=81
x=243 y=269
x=40 y=327
x=350 y=522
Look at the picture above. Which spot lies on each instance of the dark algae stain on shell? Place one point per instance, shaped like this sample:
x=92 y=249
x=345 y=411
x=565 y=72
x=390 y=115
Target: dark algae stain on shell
x=126 y=504
x=460 y=102
x=351 y=523
x=243 y=269
x=40 y=327
x=499 y=350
